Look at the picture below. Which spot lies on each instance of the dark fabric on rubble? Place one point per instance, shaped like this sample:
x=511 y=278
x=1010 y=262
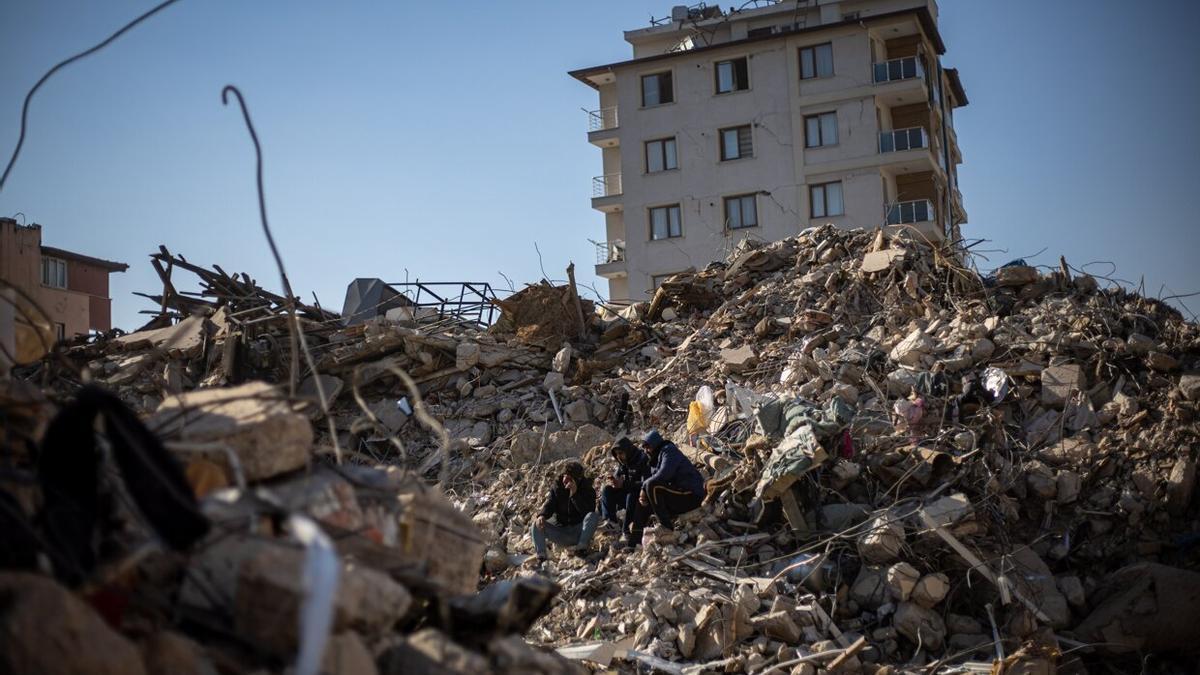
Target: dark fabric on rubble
x=20 y=547
x=69 y=471
x=568 y=510
x=671 y=469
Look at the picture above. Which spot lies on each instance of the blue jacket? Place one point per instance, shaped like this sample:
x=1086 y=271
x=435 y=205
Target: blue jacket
x=670 y=468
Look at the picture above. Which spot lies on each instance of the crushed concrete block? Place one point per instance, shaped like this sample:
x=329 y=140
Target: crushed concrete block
x=1059 y=383
x=1189 y=386
x=1163 y=363
x=870 y=587
x=170 y=652
x=271 y=590
x=778 y=626
x=346 y=654
x=466 y=355
x=562 y=359
x=959 y=623
x=1072 y=588
x=47 y=630
x=1180 y=484
x=739 y=360
x=950 y=509
x=931 y=589
x=253 y=419
x=1016 y=275
x=837 y=517
x=1068 y=485
x=901 y=580
x=578 y=411
x=911 y=350
x=553 y=382
x=881 y=541
x=920 y=625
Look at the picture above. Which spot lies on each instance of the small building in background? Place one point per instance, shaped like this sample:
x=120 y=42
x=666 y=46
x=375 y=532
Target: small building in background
x=51 y=293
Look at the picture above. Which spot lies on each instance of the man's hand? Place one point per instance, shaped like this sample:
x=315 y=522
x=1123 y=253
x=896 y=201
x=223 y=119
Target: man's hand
x=642 y=499
x=617 y=482
x=570 y=484
x=539 y=523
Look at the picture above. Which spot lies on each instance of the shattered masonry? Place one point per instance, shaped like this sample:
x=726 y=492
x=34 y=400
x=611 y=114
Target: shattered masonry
x=911 y=468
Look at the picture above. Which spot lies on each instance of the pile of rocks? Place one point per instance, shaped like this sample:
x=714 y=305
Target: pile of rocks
x=911 y=466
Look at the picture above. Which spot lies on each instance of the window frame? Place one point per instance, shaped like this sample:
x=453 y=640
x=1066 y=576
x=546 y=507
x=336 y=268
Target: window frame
x=745 y=61
x=824 y=189
x=50 y=264
x=662 y=153
x=808 y=144
x=815 y=69
x=740 y=200
x=749 y=142
x=670 y=88
x=654 y=285
x=667 y=208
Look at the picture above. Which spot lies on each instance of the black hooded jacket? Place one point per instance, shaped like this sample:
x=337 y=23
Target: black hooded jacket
x=568 y=510
x=634 y=470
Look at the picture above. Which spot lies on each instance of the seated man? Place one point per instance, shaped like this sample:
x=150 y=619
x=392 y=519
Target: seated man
x=626 y=483
x=673 y=488
x=572 y=504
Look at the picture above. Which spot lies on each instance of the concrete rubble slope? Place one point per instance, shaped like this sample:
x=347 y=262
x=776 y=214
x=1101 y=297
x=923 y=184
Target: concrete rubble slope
x=911 y=468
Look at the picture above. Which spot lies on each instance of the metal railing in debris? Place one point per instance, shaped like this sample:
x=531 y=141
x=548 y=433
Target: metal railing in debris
x=602 y=119
x=610 y=251
x=469 y=301
x=915 y=211
x=608 y=185
x=903 y=139
x=904 y=68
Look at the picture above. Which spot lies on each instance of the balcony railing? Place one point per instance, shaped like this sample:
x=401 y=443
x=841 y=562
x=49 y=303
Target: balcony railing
x=916 y=211
x=602 y=119
x=899 y=69
x=610 y=252
x=606 y=186
x=903 y=139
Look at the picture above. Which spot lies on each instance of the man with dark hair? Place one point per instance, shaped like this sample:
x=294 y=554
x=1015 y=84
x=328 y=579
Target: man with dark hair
x=625 y=484
x=674 y=487
x=572 y=505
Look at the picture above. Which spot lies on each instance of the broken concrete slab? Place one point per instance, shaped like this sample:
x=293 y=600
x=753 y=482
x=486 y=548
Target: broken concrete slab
x=1060 y=383
x=255 y=420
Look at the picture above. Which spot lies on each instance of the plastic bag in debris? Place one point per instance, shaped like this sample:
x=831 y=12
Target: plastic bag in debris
x=700 y=412
x=742 y=402
x=996 y=382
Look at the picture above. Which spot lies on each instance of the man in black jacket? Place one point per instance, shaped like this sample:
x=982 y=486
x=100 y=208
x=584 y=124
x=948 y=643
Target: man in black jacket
x=673 y=488
x=632 y=468
x=572 y=505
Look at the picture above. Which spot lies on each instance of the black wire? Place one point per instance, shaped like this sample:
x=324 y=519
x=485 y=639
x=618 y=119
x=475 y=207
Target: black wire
x=262 y=200
x=62 y=64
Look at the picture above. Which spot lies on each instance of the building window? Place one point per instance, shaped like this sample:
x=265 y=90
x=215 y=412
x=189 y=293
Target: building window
x=826 y=200
x=732 y=75
x=54 y=272
x=664 y=222
x=816 y=61
x=820 y=130
x=741 y=212
x=735 y=143
x=656 y=89
x=660 y=155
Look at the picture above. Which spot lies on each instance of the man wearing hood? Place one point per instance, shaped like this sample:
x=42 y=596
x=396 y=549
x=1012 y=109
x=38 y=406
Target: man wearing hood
x=572 y=505
x=633 y=467
x=673 y=488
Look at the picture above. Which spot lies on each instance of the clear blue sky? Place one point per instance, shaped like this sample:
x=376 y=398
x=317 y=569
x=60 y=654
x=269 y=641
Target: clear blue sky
x=441 y=140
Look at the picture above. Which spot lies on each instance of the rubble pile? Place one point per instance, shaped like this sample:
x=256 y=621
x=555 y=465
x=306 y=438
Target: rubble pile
x=910 y=468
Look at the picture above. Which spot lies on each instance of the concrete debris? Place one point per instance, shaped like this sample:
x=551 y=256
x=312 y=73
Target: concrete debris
x=907 y=466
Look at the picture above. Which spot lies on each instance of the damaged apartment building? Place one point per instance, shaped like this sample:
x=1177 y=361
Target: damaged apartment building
x=760 y=122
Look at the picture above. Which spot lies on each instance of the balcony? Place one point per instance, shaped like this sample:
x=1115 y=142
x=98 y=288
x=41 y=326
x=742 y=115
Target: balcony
x=903 y=139
x=906 y=68
x=602 y=127
x=606 y=193
x=907 y=213
x=917 y=217
x=610 y=259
